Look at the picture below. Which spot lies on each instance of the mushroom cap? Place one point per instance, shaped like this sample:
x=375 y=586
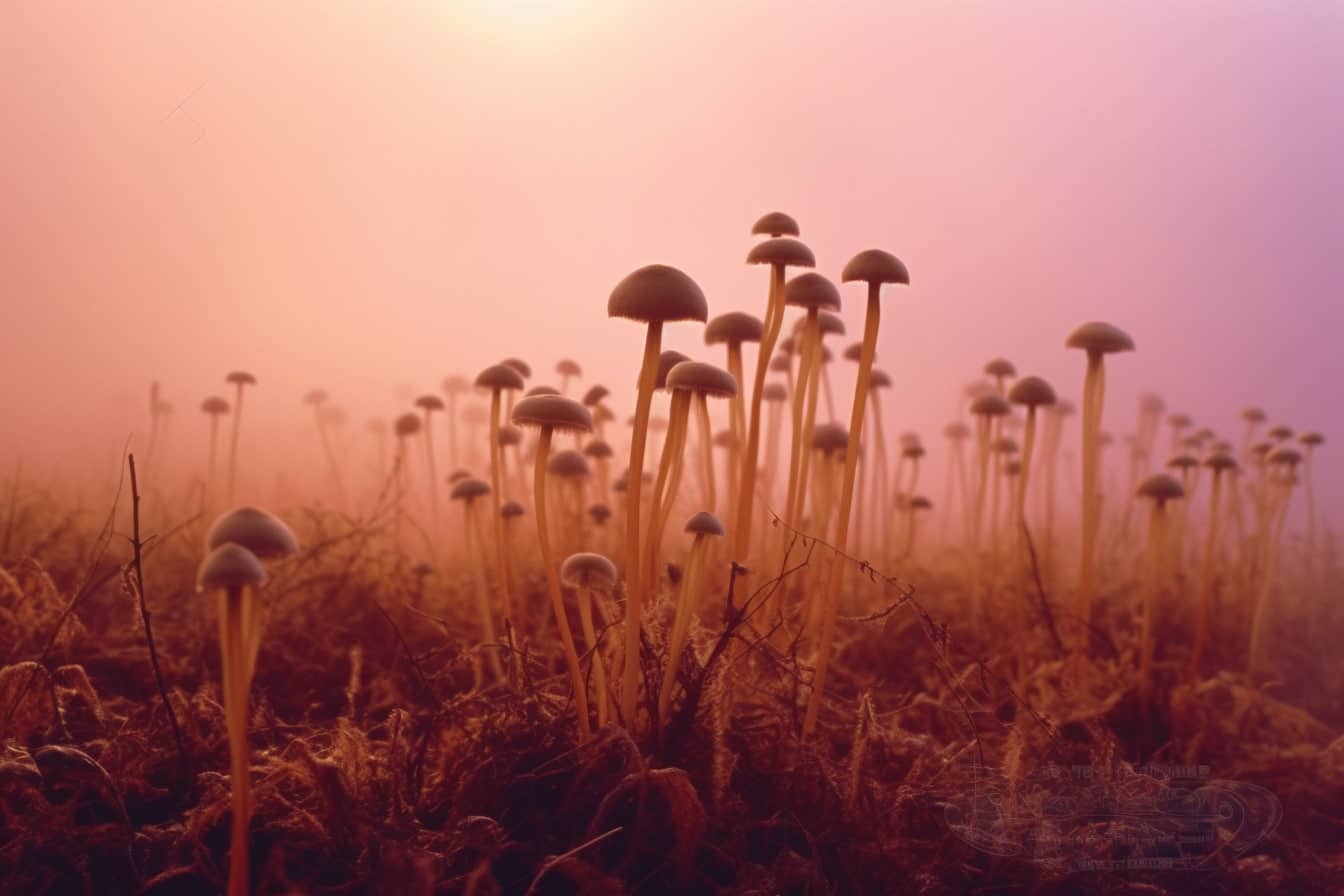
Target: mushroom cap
x=1260 y=449
x=1161 y=487
x=784 y=251
x=597 y=449
x=853 y=351
x=509 y=435
x=542 y=389
x=1284 y=454
x=811 y=290
x=1253 y=415
x=704 y=379
x=602 y=414
x=1311 y=438
x=1000 y=367
x=956 y=430
x=704 y=523
x=658 y=293
x=500 y=376
x=567 y=367
x=315 y=396
x=454 y=384
x=878 y=379
x=919 y=502
x=600 y=513
x=519 y=365
x=588 y=569
x=1032 y=391
x=1004 y=445
x=1221 y=447
x=913 y=451
x=241 y=378
x=469 y=488
x=875 y=266
x=1220 y=460
x=909 y=437
x=1203 y=435
x=553 y=411
x=421 y=569
x=733 y=327
x=1152 y=404
x=1183 y=462
x=229 y=566
x=666 y=361
x=1280 y=432
x=774 y=392
x=1180 y=421
x=568 y=463
x=510 y=510
x=787 y=345
x=1012 y=468
x=595 y=394
x=457 y=476
x=775 y=224
x=215 y=405
x=260 y=532
x=430 y=403
x=830 y=324
x=829 y=438
x=1096 y=337
x=781 y=363
x=991 y=404
x=407 y=424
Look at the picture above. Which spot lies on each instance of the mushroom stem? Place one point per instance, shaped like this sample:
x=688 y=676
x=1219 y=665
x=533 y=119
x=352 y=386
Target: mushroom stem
x=235 y=603
x=452 y=429
x=830 y=393
x=434 y=480
x=552 y=576
x=210 y=478
x=1276 y=516
x=707 y=452
x=982 y=435
x=809 y=413
x=797 y=448
x=233 y=443
x=1206 y=581
x=1093 y=391
x=1020 y=553
x=738 y=427
x=831 y=604
x=1156 y=543
x=686 y=601
x=496 y=499
x=634 y=599
x=669 y=477
x=771 y=459
x=476 y=548
x=330 y=454
x=599 y=665
x=881 y=471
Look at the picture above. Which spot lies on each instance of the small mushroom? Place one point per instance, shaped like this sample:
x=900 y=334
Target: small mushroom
x=587 y=572
x=238 y=379
x=702 y=526
x=1160 y=488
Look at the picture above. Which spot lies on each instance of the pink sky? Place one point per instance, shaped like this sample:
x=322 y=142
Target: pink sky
x=359 y=199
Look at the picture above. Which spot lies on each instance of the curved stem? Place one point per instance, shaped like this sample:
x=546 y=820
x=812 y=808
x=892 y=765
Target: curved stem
x=737 y=425
x=473 y=533
x=497 y=501
x=595 y=651
x=1020 y=559
x=810 y=412
x=1092 y=397
x=686 y=600
x=669 y=477
x=1206 y=582
x=707 y=452
x=774 y=319
x=233 y=444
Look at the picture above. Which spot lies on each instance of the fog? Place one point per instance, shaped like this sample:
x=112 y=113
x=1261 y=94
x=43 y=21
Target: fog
x=367 y=200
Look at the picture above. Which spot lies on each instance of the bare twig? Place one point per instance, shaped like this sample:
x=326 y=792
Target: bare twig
x=556 y=860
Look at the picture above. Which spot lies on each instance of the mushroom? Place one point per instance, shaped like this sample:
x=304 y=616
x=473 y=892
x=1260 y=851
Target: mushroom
x=985 y=409
x=1160 y=488
x=774 y=224
x=406 y=426
x=453 y=386
x=1281 y=473
x=913 y=507
x=1179 y=423
x=775 y=395
x=731 y=330
x=594 y=396
x=1219 y=463
x=1033 y=393
x=572 y=469
x=499 y=378
x=703 y=526
x=238 y=541
x=1001 y=370
x=779 y=253
x=1253 y=417
x=525 y=370
x=812 y=292
x=468 y=490
x=586 y=572
x=879 y=382
x=215 y=407
x=1188 y=465
x=1310 y=441
x=600 y=453
x=239 y=379
x=568 y=370
x=956 y=434
x=873 y=267
x=830 y=325
x=655 y=295
x=1098 y=340
x=1061 y=411
x=429 y=404
x=552 y=412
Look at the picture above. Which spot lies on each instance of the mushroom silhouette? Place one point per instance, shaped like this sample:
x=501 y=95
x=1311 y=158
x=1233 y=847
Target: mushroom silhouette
x=774 y=224
x=1001 y=370
x=214 y=407
x=1033 y=393
x=1160 y=488
x=499 y=378
x=468 y=490
x=1281 y=473
x=568 y=370
x=986 y=408
x=587 y=572
x=1220 y=463
x=239 y=379
x=703 y=526
x=1310 y=441
x=731 y=330
x=812 y=292
x=1253 y=417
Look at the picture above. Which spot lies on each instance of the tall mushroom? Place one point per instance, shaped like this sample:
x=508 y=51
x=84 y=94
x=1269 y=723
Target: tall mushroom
x=568 y=370
x=468 y=490
x=552 y=412
x=406 y=427
x=873 y=267
x=1219 y=463
x=1001 y=370
x=703 y=526
x=1033 y=393
x=1253 y=417
x=316 y=398
x=1310 y=442
x=499 y=378
x=239 y=379
x=812 y=292
x=214 y=407
x=1281 y=468
x=1098 y=340
x=731 y=330
x=429 y=404
x=654 y=295
x=1160 y=488
x=986 y=409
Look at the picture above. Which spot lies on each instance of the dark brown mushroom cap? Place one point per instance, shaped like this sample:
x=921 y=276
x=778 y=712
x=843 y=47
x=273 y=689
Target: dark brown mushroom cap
x=552 y=411
x=1000 y=367
x=1004 y=445
x=781 y=364
x=1180 y=421
x=1012 y=468
x=215 y=405
x=1161 y=487
x=568 y=463
x=452 y=385
x=830 y=324
x=1260 y=449
x=784 y=251
x=500 y=376
x=315 y=396
x=430 y=403
x=519 y=365
x=1096 y=337
x=875 y=266
x=421 y=569
x=878 y=379
x=1279 y=433
x=595 y=394
x=597 y=450
x=919 y=502
x=914 y=451
x=1312 y=439
x=1183 y=462
x=733 y=328
x=909 y=437
x=407 y=424
x=458 y=475
x=1221 y=447
x=703 y=379
x=1032 y=391
x=542 y=389
x=829 y=438
x=666 y=361
x=775 y=224
x=1152 y=404
x=658 y=293
x=229 y=565
x=241 y=378
x=1220 y=460
x=568 y=367
x=704 y=523
x=1286 y=455
x=811 y=290
x=260 y=532
x=469 y=488
x=787 y=345
x=588 y=570
x=956 y=430
x=1253 y=415
x=854 y=350
x=991 y=404
x=509 y=435
x=600 y=513
x=511 y=510
x=774 y=392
